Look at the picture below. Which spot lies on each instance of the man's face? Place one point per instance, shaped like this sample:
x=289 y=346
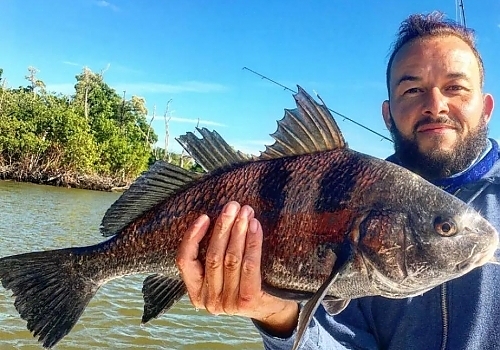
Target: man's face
x=437 y=113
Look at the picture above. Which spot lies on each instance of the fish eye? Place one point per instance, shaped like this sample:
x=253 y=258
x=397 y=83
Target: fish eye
x=445 y=227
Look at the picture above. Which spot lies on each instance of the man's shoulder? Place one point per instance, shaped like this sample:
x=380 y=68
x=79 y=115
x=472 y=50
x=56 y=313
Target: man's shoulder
x=493 y=175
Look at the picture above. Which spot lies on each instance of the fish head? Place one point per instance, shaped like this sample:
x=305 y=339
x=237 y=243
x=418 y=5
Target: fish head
x=457 y=240
x=413 y=246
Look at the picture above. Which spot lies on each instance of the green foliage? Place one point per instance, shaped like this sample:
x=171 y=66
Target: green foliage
x=181 y=160
x=94 y=132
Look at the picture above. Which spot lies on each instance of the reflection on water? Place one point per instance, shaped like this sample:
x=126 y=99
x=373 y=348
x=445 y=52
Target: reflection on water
x=34 y=217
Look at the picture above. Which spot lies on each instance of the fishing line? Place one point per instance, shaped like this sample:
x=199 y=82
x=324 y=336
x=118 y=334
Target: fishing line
x=331 y=110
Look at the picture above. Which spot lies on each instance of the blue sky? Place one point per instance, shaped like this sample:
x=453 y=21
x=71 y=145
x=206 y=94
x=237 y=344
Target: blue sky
x=193 y=52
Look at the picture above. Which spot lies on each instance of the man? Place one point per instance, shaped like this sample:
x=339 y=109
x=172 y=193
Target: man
x=438 y=115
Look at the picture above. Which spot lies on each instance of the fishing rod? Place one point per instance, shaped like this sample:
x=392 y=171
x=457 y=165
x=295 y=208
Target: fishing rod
x=461 y=9
x=331 y=110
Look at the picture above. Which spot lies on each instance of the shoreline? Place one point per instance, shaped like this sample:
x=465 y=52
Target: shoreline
x=67 y=179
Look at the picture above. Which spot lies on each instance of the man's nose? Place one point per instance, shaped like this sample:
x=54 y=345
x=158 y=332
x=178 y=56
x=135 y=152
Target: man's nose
x=435 y=103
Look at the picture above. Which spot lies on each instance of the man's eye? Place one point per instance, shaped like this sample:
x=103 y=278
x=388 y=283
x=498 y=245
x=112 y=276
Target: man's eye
x=412 y=91
x=456 y=88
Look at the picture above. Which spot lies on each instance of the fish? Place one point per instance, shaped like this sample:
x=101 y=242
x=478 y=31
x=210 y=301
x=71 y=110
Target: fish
x=338 y=225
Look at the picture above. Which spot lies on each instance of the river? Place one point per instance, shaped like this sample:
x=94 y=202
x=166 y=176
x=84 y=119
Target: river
x=35 y=217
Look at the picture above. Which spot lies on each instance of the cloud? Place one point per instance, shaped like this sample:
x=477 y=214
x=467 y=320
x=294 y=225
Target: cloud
x=201 y=122
x=69 y=63
x=116 y=68
x=188 y=86
x=103 y=3
x=142 y=88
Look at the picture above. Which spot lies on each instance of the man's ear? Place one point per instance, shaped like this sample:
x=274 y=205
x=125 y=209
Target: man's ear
x=386 y=113
x=488 y=105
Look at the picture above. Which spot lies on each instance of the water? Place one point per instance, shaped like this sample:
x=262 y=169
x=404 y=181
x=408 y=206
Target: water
x=34 y=217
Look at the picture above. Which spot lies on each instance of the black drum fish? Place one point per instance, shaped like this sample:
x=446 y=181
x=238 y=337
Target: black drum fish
x=337 y=225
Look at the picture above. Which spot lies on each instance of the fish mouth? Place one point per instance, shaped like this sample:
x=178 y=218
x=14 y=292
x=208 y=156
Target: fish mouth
x=487 y=243
x=463 y=265
x=474 y=261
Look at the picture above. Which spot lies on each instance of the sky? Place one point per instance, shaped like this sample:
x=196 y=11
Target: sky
x=192 y=53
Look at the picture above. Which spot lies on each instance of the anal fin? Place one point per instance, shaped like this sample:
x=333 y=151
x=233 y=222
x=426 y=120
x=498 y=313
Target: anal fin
x=160 y=293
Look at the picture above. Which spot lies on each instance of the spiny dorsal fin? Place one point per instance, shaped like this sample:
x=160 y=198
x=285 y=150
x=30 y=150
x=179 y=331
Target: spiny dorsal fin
x=151 y=188
x=210 y=152
x=307 y=129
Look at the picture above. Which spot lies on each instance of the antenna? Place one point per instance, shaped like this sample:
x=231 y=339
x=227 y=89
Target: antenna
x=331 y=110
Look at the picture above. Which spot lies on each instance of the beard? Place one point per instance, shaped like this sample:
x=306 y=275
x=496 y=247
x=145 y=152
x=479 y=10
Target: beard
x=437 y=163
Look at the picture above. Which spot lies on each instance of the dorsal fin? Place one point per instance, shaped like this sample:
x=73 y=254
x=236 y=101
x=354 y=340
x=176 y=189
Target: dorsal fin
x=210 y=152
x=151 y=188
x=307 y=129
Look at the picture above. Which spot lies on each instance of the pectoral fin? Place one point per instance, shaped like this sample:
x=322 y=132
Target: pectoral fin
x=307 y=312
x=335 y=306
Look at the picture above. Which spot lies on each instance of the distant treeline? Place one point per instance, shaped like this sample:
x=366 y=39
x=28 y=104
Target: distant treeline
x=94 y=138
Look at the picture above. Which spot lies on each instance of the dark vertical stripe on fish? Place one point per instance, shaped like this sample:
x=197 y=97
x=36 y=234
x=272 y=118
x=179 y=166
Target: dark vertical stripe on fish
x=272 y=192
x=336 y=187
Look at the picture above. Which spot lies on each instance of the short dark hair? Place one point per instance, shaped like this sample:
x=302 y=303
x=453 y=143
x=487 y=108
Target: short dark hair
x=420 y=26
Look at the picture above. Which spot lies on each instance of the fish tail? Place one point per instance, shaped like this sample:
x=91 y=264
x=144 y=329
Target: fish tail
x=50 y=291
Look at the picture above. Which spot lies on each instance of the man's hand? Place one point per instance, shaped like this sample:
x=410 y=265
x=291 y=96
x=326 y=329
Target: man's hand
x=230 y=282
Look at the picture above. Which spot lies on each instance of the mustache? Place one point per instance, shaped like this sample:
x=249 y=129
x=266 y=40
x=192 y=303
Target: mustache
x=439 y=120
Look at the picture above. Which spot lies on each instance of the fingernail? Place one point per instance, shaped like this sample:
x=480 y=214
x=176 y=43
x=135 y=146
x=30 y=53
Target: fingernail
x=200 y=220
x=246 y=211
x=231 y=208
x=253 y=226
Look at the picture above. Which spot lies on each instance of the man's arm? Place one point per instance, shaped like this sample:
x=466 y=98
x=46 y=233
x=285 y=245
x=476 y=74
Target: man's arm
x=348 y=330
